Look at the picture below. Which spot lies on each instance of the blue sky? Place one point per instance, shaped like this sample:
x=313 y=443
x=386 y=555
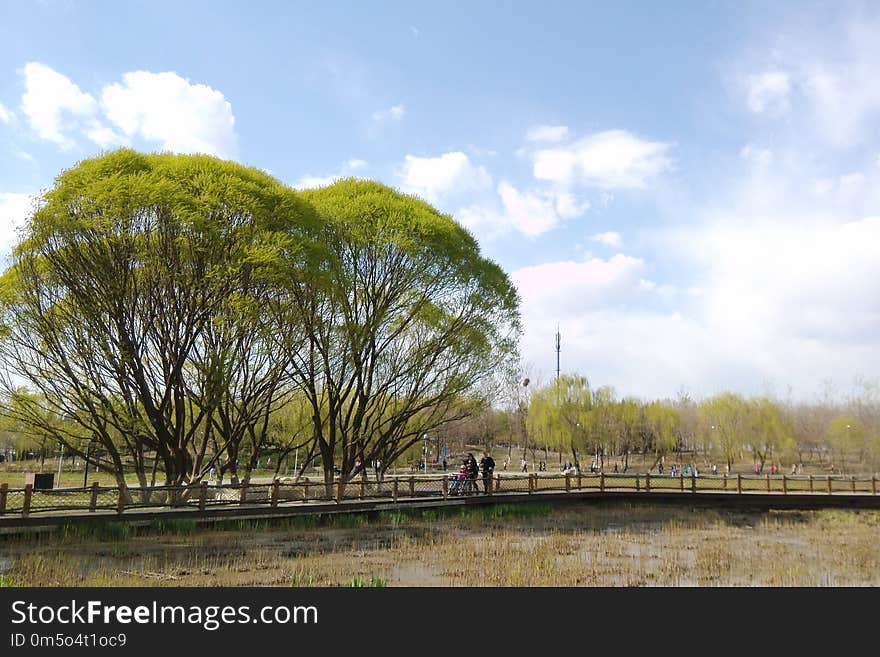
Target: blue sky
x=689 y=189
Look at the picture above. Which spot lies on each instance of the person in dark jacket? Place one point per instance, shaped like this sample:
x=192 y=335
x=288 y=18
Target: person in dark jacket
x=487 y=465
x=473 y=473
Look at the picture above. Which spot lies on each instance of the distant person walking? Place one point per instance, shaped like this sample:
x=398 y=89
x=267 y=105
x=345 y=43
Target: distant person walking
x=487 y=465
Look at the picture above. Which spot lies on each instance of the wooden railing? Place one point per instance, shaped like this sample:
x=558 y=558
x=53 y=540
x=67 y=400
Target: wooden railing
x=201 y=496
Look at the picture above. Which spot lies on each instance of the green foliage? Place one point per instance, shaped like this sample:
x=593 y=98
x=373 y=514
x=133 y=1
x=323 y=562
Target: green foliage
x=726 y=418
x=97 y=529
x=771 y=431
x=360 y=582
x=661 y=421
x=173 y=526
x=846 y=435
x=559 y=414
x=135 y=299
x=402 y=331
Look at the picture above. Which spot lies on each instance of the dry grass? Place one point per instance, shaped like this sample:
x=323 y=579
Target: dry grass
x=531 y=545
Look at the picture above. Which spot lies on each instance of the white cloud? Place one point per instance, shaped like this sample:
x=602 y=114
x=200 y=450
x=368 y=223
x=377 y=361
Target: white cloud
x=609 y=238
x=530 y=213
x=105 y=137
x=162 y=108
x=487 y=223
x=535 y=213
x=393 y=113
x=567 y=206
x=53 y=104
x=639 y=352
x=760 y=156
x=6 y=115
x=14 y=209
x=567 y=288
x=607 y=332
x=551 y=133
x=435 y=177
x=777 y=282
x=776 y=285
x=773 y=276
x=181 y=116
x=609 y=160
x=825 y=77
x=347 y=170
x=768 y=92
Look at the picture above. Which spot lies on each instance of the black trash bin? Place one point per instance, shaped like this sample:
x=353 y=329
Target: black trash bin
x=40 y=480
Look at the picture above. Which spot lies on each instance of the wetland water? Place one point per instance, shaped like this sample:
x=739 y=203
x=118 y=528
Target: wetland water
x=608 y=544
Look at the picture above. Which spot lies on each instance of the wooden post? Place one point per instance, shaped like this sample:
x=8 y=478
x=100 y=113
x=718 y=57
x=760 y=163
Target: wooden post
x=361 y=489
x=784 y=485
x=873 y=484
x=203 y=494
x=829 y=484
x=4 y=491
x=768 y=482
x=739 y=483
x=394 y=490
x=531 y=485
x=93 y=498
x=242 y=493
x=498 y=481
x=637 y=483
x=601 y=482
x=681 y=482
x=28 y=495
x=811 y=483
x=567 y=482
x=306 y=489
x=854 y=484
x=339 y=491
x=647 y=482
x=412 y=486
x=725 y=481
x=274 y=498
x=579 y=479
x=445 y=488
x=120 y=502
x=693 y=482
x=488 y=482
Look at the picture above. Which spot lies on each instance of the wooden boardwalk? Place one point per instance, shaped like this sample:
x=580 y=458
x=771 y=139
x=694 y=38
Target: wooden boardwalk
x=46 y=510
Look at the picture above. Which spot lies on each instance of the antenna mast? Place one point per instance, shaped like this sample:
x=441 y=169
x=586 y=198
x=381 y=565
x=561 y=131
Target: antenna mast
x=557 y=350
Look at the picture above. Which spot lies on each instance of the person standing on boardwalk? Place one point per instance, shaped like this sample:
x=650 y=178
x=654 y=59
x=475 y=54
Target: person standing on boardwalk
x=487 y=465
x=473 y=473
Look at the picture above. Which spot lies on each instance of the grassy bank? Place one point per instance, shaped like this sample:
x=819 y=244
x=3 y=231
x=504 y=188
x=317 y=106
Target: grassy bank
x=528 y=545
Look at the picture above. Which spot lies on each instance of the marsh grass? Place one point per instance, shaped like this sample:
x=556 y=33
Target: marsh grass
x=611 y=544
x=359 y=582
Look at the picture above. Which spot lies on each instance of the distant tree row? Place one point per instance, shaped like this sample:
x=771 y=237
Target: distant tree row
x=168 y=314
x=571 y=417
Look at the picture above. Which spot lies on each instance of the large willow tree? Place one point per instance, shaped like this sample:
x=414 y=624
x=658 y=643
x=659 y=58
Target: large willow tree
x=134 y=308
x=405 y=328
x=560 y=415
